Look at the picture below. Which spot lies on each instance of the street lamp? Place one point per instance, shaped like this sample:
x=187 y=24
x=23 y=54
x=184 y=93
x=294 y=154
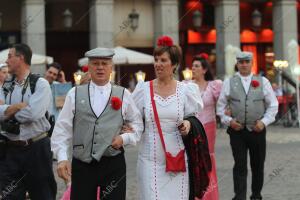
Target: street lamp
x=256 y=18
x=197 y=19
x=187 y=74
x=280 y=65
x=140 y=76
x=68 y=18
x=112 y=76
x=78 y=76
x=297 y=74
x=134 y=19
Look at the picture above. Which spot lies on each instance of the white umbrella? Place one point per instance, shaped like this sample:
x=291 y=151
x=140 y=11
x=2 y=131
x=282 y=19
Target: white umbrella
x=36 y=59
x=125 y=56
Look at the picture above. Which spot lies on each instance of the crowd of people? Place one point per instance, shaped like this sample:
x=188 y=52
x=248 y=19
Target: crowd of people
x=174 y=123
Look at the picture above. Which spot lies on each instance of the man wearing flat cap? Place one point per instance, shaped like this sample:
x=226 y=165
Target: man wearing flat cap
x=92 y=117
x=253 y=106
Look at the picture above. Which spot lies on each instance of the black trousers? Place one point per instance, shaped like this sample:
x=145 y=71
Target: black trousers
x=109 y=174
x=27 y=169
x=241 y=142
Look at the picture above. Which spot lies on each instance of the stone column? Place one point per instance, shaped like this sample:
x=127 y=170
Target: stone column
x=166 y=21
x=284 y=27
x=33 y=25
x=102 y=23
x=227 y=20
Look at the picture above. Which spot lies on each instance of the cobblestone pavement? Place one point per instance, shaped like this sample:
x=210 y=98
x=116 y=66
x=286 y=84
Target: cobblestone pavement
x=282 y=166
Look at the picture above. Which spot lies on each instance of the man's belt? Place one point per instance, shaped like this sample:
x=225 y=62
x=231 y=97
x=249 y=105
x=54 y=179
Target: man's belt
x=24 y=143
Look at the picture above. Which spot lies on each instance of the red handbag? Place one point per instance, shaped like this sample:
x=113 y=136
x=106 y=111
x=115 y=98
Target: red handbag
x=173 y=164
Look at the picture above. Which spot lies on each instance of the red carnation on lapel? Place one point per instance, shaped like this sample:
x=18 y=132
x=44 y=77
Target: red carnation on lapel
x=165 y=41
x=85 y=68
x=254 y=83
x=116 y=103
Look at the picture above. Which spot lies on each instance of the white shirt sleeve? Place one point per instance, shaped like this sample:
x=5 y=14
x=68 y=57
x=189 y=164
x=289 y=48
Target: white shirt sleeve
x=133 y=117
x=63 y=130
x=193 y=102
x=223 y=102
x=271 y=103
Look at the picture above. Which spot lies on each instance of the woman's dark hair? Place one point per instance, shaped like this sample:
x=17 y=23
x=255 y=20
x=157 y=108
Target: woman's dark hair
x=205 y=65
x=174 y=52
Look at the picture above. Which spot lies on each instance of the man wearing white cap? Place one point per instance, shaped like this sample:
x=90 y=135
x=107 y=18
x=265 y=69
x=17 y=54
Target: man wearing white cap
x=253 y=106
x=93 y=116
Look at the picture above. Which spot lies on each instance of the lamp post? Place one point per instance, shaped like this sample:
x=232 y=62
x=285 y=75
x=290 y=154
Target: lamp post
x=140 y=76
x=280 y=65
x=297 y=74
x=187 y=74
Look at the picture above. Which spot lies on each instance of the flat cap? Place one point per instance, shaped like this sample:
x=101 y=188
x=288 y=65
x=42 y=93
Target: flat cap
x=244 y=55
x=100 y=53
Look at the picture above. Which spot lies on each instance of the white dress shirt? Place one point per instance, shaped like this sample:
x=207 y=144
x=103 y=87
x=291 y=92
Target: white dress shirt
x=269 y=95
x=99 y=96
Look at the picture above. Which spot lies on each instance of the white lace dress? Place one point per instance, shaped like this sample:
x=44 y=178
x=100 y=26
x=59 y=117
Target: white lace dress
x=153 y=181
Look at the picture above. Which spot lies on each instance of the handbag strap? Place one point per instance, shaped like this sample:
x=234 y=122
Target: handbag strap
x=156 y=116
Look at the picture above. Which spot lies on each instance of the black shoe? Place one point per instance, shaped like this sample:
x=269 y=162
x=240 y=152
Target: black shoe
x=256 y=197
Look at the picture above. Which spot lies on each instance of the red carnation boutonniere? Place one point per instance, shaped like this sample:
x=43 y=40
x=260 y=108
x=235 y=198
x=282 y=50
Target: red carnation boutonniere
x=85 y=68
x=254 y=83
x=116 y=103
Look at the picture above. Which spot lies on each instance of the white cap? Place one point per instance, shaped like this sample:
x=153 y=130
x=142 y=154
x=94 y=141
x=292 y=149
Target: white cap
x=3 y=65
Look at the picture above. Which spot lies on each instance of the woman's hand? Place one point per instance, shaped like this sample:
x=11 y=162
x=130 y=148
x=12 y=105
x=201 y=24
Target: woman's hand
x=184 y=127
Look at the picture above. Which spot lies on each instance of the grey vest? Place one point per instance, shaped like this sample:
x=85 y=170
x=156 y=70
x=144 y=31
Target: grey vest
x=93 y=135
x=246 y=108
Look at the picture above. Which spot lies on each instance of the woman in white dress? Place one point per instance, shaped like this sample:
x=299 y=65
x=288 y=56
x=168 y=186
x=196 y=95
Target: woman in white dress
x=174 y=100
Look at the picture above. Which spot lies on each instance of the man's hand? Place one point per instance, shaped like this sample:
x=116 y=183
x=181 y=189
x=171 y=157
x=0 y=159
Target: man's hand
x=184 y=127
x=235 y=125
x=1 y=102
x=259 y=126
x=14 y=108
x=126 y=128
x=117 y=142
x=64 y=170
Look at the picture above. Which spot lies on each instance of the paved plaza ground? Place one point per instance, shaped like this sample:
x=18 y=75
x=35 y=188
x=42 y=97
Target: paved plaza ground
x=282 y=167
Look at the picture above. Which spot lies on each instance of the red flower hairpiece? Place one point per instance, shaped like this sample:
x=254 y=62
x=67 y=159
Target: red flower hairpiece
x=203 y=55
x=165 y=41
x=85 y=68
x=116 y=103
x=254 y=83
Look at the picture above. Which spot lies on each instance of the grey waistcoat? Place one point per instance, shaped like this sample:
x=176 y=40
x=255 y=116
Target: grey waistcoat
x=93 y=135
x=246 y=108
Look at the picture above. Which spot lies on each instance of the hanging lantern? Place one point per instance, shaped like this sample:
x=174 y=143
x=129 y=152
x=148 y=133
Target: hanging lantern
x=67 y=18
x=134 y=19
x=256 y=18
x=197 y=19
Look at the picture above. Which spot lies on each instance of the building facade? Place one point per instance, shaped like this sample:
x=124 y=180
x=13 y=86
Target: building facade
x=65 y=29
